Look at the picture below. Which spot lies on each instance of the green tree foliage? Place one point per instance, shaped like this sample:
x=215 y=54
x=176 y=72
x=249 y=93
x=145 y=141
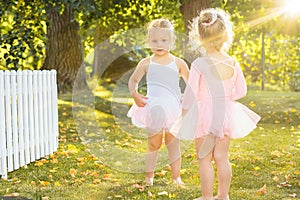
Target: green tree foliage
x=22 y=29
x=251 y=18
x=123 y=15
x=23 y=26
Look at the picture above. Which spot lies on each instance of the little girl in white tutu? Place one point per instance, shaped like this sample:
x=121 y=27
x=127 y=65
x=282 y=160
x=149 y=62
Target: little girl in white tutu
x=161 y=107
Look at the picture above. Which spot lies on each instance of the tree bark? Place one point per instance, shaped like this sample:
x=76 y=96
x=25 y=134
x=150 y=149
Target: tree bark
x=64 y=50
x=190 y=9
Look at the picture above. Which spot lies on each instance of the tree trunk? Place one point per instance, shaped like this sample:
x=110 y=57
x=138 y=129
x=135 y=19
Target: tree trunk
x=190 y=9
x=64 y=50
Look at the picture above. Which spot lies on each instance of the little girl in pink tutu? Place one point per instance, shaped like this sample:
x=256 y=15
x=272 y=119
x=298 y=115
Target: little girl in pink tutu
x=160 y=109
x=209 y=107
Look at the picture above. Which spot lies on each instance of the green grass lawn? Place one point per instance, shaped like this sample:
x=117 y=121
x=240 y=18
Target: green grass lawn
x=266 y=163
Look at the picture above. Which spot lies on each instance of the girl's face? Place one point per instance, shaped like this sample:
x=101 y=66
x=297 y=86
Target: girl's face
x=160 y=40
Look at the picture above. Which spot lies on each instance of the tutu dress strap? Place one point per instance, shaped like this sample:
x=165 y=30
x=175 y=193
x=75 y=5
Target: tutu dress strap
x=151 y=59
x=224 y=62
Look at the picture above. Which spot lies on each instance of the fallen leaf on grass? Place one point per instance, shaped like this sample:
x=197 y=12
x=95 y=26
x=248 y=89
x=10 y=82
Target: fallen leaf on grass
x=54 y=161
x=139 y=187
x=96 y=181
x=118 y=185
x=44 y=183
x=287 y=177
x=275 y=178
x=162 y=193
x=73 y=172
x=273 y=172
x=37 y=163
x=106 y=176
x=15 y=194
x=56 y=183
x=284 y=184
x=294 y=195
x=149 y=194
x=40 y=162
x=252 y=104
x=72 y=149
x=262 y=190
x=161 y=173
x=94 y=174
x=81 y=159
x=276 y=153
x=296 y=172
x=118 y=163
x=183 y=171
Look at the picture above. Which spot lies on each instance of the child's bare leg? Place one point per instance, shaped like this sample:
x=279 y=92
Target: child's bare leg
x=220 y=155
x=173 y=146
x=206 y=170
x=154 y=144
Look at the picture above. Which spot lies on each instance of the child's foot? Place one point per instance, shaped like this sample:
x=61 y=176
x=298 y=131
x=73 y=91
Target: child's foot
x=149 y=181
x=218 y=198
x=202 y=198
x=179 y=182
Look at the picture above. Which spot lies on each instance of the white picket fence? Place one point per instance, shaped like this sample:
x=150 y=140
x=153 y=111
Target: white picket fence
x=28 y=117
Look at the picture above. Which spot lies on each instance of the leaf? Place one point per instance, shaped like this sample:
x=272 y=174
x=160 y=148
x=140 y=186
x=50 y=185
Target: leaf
x=106 y=177
x=273 y=172
x=15 y=194
x=96 y=181
x=149 y=194
x=54 y=161
x=287 y=177
x=73 y=172
x=276 y=153
x=72 y=149
x=161 y=173
x=118 y=163
x=275 y=178
x=56 y=183
x=252 y=104
x=283 y=184
x=139 y=187
x=37 y=163
x=294 y=195
x=262 y=190
x=162 y=193
x=44 y=183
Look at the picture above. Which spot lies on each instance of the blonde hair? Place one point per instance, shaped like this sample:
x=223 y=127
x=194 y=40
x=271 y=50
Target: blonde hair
x=213 y=28
x=162 y=23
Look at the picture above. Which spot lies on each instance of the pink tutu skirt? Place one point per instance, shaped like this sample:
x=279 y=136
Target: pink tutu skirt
x=229 y=118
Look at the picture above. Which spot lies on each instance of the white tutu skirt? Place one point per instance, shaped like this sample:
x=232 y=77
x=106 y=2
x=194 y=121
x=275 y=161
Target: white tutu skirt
x=160 y=113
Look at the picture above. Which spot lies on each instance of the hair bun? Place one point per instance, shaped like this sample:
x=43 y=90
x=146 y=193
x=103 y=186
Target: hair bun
x=207 y=19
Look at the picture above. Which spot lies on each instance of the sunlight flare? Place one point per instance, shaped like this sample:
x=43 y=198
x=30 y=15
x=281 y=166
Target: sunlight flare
x=292 y=7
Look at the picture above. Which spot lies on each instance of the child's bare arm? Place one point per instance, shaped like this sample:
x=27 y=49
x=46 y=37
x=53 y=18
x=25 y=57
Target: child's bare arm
x=183 y=69
x=134 y=80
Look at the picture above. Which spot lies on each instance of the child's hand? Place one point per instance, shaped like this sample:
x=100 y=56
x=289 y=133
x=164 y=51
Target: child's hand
x=139 y=99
